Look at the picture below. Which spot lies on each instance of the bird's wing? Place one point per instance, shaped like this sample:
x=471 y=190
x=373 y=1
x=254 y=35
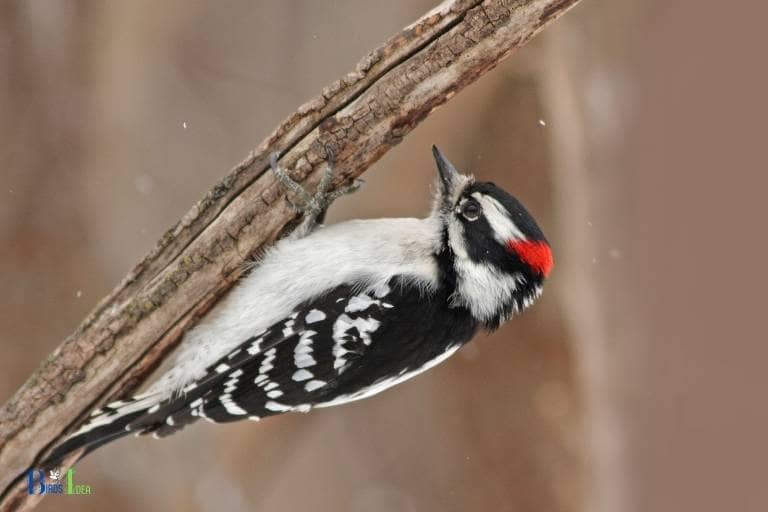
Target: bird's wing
x=339 y=347
x=345 y=345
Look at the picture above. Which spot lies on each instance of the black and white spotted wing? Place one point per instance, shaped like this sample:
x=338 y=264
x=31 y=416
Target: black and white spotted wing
x=340 y=347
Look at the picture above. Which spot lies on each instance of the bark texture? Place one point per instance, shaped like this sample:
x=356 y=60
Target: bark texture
x=360 y=116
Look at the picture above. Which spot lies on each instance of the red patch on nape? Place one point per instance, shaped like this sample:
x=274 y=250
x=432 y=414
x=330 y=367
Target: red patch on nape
x=535 y=254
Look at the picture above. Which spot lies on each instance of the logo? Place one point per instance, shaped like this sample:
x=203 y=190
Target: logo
x=38 y=485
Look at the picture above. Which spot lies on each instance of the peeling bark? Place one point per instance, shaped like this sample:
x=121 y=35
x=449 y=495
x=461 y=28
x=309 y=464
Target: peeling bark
x=360 y=116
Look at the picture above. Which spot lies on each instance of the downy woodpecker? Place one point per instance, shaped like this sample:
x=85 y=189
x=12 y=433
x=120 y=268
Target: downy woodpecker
x=343 y=312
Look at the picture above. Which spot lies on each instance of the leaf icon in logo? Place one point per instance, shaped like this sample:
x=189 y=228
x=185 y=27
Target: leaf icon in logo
x=55 y=474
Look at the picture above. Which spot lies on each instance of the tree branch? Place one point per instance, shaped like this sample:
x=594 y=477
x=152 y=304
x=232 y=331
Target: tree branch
x=360 y=116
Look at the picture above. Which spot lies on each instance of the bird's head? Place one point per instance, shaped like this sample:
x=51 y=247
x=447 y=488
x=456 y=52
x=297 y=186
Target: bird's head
x=499 y=254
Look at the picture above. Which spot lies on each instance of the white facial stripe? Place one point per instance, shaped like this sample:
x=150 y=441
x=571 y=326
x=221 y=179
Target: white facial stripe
x=482 y=288
x=503 y=227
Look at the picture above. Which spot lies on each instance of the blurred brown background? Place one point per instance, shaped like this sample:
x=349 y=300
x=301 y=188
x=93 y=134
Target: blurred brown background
x=633 y=130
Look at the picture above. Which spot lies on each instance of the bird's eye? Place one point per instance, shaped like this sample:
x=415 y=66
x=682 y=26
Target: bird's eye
x=471 y=211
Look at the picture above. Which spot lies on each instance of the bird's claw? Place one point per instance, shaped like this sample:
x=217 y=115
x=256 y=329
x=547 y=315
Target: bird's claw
x=312 y=206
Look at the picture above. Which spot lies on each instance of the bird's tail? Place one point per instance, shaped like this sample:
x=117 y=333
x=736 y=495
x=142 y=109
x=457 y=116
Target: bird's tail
x=105 y=425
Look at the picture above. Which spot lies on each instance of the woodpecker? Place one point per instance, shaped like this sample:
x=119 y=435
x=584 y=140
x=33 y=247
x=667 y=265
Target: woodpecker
x=342 y=312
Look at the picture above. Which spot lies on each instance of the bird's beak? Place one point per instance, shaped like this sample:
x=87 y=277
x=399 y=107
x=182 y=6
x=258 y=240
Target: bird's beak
x=450 y=185
x=449 y=176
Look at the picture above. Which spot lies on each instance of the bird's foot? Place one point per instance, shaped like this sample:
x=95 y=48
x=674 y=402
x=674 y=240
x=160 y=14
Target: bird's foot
x=313 y=206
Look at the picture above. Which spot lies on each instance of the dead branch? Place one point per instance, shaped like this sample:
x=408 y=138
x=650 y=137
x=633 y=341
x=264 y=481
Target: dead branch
x=360 y=116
